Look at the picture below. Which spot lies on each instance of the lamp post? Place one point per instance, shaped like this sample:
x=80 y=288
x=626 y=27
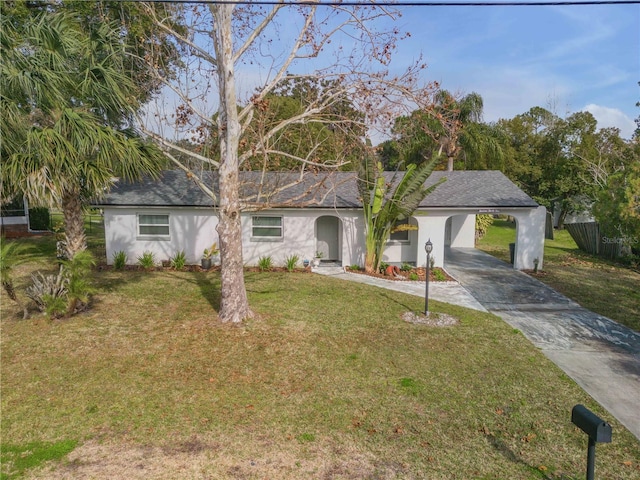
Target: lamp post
x=428 y=247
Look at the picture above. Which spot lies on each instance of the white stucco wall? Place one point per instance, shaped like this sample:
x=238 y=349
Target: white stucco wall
x=463 y=231
x=432 y=226
x=530 y=227
x=191 y=230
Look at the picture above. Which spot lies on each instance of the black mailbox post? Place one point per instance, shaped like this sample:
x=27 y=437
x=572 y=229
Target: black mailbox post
x=598 y=430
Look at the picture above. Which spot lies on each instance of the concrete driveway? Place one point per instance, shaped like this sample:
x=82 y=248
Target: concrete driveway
x=600 y=355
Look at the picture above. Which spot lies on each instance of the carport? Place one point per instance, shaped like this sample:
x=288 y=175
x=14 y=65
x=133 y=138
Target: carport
x=447 y=216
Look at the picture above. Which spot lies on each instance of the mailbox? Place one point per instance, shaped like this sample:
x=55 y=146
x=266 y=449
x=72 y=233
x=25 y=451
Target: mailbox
x=598 y=430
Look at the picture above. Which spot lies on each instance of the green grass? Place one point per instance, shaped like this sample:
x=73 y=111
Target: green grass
x=326 y=382
x=595 y=283
x=17 y=459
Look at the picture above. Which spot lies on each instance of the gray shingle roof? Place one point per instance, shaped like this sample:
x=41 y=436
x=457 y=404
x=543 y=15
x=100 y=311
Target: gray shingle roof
x=472 y=189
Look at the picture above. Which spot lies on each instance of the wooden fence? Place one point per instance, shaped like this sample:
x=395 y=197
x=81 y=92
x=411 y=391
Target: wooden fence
x=587 y=237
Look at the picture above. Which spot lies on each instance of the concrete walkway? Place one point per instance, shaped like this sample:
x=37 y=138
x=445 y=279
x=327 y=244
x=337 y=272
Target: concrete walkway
x=600 y=355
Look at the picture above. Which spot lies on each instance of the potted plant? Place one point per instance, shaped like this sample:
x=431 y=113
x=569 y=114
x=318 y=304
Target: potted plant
x=317 y=258
x=206 y=260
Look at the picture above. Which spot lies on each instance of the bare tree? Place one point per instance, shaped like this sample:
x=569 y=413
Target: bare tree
x=235 y=56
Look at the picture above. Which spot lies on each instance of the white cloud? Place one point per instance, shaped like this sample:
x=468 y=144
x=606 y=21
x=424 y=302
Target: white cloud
x=612 y=117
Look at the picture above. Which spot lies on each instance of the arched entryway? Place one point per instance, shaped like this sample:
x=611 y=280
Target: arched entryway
x=459 y=231
x=328 y=238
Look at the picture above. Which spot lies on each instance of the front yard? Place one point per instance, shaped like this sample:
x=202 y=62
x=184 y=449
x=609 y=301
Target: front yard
x=327 y=382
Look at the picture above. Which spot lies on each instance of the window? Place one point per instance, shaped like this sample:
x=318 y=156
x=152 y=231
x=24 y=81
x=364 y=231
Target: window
x=402 y=235
x=266 y=227
x=153 y=225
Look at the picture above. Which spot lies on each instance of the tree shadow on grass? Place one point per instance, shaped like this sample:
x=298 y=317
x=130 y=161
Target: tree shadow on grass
x=208 y=283
x=512 y=457
x=395 y=300
x=209 y=287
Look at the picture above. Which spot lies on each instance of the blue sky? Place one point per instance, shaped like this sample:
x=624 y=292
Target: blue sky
x=563 y=58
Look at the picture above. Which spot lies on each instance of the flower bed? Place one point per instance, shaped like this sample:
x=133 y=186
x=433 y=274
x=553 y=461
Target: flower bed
x=437 y=274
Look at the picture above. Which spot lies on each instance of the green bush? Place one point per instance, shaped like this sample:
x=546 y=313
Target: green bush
x=414 y=276
x=39 y=218
x=439 y=275
x=483 y=222
x=383 y=266
x=179 y=260
x=66 y=293
x=406 y=267
x=265 y=263
x=291 y=262
x=147 y=260
x=119 y=260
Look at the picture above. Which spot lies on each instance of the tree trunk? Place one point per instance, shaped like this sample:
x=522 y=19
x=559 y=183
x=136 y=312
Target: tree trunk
x=234 y=305
x=75 y=238
x=450 y=164
x=561 y=218
x=11 y=293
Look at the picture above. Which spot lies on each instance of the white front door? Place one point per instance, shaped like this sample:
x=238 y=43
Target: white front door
x=328 y=237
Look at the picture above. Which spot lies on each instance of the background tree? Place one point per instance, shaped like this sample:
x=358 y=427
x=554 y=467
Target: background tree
x=68 y=103
x=337 y=142
x=617 y=207
x=452 y=126
x=562 y=163
x=331 y=54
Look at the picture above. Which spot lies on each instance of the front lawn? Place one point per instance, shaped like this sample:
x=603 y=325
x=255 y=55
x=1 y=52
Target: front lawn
x=595 y=283
x=327 y=382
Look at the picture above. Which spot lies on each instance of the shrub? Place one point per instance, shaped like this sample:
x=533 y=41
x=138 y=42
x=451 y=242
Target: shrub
x=265 y=263
x=39 y=218
x=406 y=267
x=414 y=276
x=383 y=266
x=66 y=293
x=119 y=260
x=483 y=222
x=9 y=259
x=439 y=275
x=355 y=267
x=179 y=260
x=79 y=287
x=147 y=260
x=291 y=262
x=46 y=289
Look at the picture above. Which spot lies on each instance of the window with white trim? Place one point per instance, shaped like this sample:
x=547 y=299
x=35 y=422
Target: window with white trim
x=266 y=227
x=402 y=235
x=153 y=225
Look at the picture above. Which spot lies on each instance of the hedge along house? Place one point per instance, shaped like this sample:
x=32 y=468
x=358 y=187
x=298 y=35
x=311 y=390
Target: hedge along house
x=286 y=215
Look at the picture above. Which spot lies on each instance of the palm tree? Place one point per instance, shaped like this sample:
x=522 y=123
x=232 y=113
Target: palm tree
x=67 y=103
x=460 y=129
x=452 y=126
